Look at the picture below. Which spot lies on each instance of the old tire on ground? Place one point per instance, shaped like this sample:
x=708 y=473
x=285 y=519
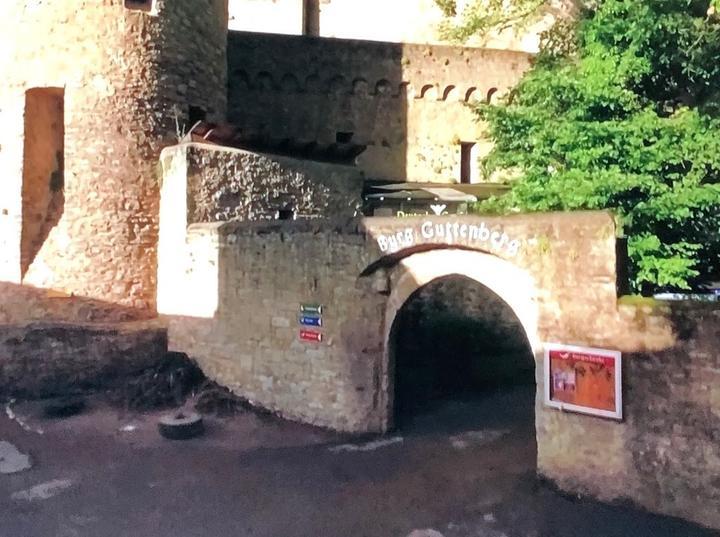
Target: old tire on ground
x=181 y=425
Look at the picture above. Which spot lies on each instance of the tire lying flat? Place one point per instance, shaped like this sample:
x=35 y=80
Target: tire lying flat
x=181 y=425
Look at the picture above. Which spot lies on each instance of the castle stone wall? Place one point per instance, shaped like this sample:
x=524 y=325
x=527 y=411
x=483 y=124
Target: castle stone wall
x=243 y=283
x=238 y=315
x=125 y=76
x=248 y=339
x=664 y=455
x=407 y=103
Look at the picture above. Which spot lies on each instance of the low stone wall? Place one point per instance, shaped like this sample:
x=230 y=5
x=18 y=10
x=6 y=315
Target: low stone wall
x=42 y=359
x=665 y=454
x=22 y=304
x=52 y=343
x=225 y=184
x=241 y=314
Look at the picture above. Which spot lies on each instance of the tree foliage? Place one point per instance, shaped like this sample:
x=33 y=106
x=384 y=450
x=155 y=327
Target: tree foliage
x=623 y=114
x=466 y=18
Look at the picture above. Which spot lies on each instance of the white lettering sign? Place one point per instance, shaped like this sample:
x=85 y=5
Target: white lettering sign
x=449 y=233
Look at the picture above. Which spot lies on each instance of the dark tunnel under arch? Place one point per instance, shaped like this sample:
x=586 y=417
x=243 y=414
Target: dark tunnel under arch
x=455 y=339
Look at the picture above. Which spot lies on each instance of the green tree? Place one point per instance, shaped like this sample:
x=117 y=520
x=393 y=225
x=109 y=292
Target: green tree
x=480 y=17
x=622 y=114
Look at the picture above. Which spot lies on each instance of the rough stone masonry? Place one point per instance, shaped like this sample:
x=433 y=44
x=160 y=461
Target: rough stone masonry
x=243 y=284
x=81 y=213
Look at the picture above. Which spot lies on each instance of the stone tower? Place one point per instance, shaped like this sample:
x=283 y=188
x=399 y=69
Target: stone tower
x=92 y=91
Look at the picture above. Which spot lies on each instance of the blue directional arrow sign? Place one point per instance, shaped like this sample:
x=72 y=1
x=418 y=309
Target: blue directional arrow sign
x=311 y=320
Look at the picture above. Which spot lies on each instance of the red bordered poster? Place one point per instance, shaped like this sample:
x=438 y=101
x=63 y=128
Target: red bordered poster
x=584 y=379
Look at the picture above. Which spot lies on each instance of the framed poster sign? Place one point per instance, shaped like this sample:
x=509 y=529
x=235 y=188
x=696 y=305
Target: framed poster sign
x=583 y=379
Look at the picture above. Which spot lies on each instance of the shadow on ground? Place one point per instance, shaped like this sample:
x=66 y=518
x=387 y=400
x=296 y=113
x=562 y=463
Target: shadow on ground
x=111 y=475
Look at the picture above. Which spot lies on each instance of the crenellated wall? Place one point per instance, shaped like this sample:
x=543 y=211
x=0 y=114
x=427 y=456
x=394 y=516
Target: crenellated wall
x=407 y=103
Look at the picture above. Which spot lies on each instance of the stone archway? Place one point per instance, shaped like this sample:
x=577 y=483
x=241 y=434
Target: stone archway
x=512 y=285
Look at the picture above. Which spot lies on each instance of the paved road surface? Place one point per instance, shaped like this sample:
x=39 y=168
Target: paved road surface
x=465 y=469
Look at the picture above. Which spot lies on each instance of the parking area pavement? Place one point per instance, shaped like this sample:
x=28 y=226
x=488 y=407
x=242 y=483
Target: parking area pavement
x=463 y=469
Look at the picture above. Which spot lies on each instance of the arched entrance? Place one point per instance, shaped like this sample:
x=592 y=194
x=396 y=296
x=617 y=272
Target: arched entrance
x=457 y=351
x=461 y=341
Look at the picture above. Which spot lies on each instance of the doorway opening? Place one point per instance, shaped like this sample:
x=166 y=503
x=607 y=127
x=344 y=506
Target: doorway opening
x=43 y=186
x=468 y=158
x=460 y=360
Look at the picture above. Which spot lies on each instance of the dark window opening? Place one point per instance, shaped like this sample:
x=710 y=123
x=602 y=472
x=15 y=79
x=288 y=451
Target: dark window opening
x=343 y=137
x=195 y=114
x=43 y=186
x=139 y=5
x=466 y=158
x=286 y=214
